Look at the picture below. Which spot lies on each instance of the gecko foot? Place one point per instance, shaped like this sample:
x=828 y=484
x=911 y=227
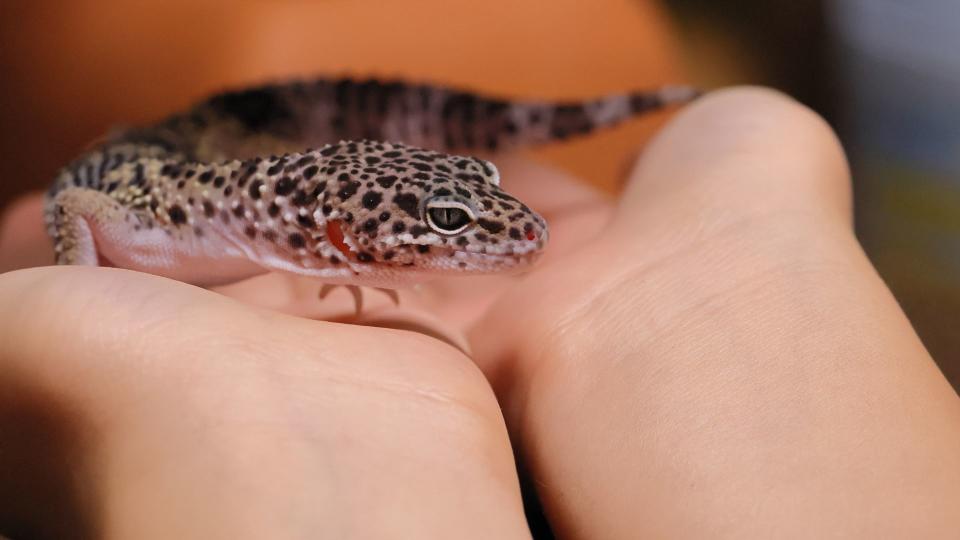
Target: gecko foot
x=358 y=294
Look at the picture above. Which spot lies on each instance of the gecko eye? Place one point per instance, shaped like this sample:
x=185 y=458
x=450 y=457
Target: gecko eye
x=447 y=216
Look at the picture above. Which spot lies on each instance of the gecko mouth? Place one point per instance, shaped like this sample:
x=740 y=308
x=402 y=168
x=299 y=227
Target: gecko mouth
x=461 y=261
x=438 y=258
x=336 y=239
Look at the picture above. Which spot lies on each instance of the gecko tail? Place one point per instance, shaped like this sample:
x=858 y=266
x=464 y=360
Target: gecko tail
x=532 y=123
x=643 y=101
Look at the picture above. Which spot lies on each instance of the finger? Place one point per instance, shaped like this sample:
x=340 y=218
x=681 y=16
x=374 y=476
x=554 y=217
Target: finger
x=723 y=361
x=793 y=159
x=193 y=416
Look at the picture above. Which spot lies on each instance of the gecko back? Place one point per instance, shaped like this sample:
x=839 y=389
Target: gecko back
x=254 y=180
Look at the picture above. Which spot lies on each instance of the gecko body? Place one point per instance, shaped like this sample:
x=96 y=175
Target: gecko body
x=254 y=181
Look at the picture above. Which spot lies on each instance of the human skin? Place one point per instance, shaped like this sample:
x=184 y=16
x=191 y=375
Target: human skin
x=710 y=356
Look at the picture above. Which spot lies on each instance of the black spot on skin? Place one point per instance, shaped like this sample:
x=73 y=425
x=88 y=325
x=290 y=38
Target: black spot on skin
x=270 y=235
x=421 y=166
x=303 y=161
x=418 y=230
x=347 y=190
x=254 y=109
x=306 y=222
x=372 y=160
x=348 y=217
x=462 y=241
x=503 y=196
x=442 y=192
x=208 y=209
x=219 y=181
x=384 y=216
x=328 y=151
x=255 y=189
x=177 y=215
x=326 y=209
x=364 y=257
x=296 y=240
x=491 y=226
x=310 y=172
x=138 y=175
x=334 y=259
x=239 y=211
x=228 y=191
x=273 y=210
x=388 y=255
x=205 y=177
x=486 y=167
x=386 y=181
x=371 y=199
x=300 y=198
x=515 y=233
x=245 y=177
x=275 y=168
x=481 y=237
x=285 y=186
x=398 y=227
x=392 y=154
x=370 y=225
x=423 y=248
x=421 y=176
x=408 y=202
x=250 y=231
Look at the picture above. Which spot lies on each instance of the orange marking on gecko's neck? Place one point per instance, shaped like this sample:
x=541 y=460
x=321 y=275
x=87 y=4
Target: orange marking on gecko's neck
x=335 y=236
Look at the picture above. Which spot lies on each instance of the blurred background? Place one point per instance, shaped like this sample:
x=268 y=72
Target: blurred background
x=885 y=74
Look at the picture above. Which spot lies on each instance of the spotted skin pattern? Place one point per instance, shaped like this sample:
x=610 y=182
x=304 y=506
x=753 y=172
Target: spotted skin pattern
x=226 y=190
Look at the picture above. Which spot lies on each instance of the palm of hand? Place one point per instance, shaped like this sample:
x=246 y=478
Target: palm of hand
x=717 y=340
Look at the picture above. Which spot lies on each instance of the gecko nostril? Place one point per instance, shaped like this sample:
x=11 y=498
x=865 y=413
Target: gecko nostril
x=531 y=235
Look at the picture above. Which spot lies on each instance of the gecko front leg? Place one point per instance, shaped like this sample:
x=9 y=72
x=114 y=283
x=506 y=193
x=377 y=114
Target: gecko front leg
x=357 y=294
x=77 y=213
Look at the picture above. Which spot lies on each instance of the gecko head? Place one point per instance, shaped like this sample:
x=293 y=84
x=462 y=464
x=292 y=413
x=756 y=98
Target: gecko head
x=420 y=211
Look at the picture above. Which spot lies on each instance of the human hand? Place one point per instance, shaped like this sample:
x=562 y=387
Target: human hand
x=718 y=360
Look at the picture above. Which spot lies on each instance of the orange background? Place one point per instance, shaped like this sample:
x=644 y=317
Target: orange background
x=76 y=69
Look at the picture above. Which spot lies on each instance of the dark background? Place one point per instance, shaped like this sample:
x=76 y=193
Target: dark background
x=886 y=75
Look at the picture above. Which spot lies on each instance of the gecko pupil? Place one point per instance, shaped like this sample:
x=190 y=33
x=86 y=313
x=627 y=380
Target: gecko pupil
x=449 y=219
